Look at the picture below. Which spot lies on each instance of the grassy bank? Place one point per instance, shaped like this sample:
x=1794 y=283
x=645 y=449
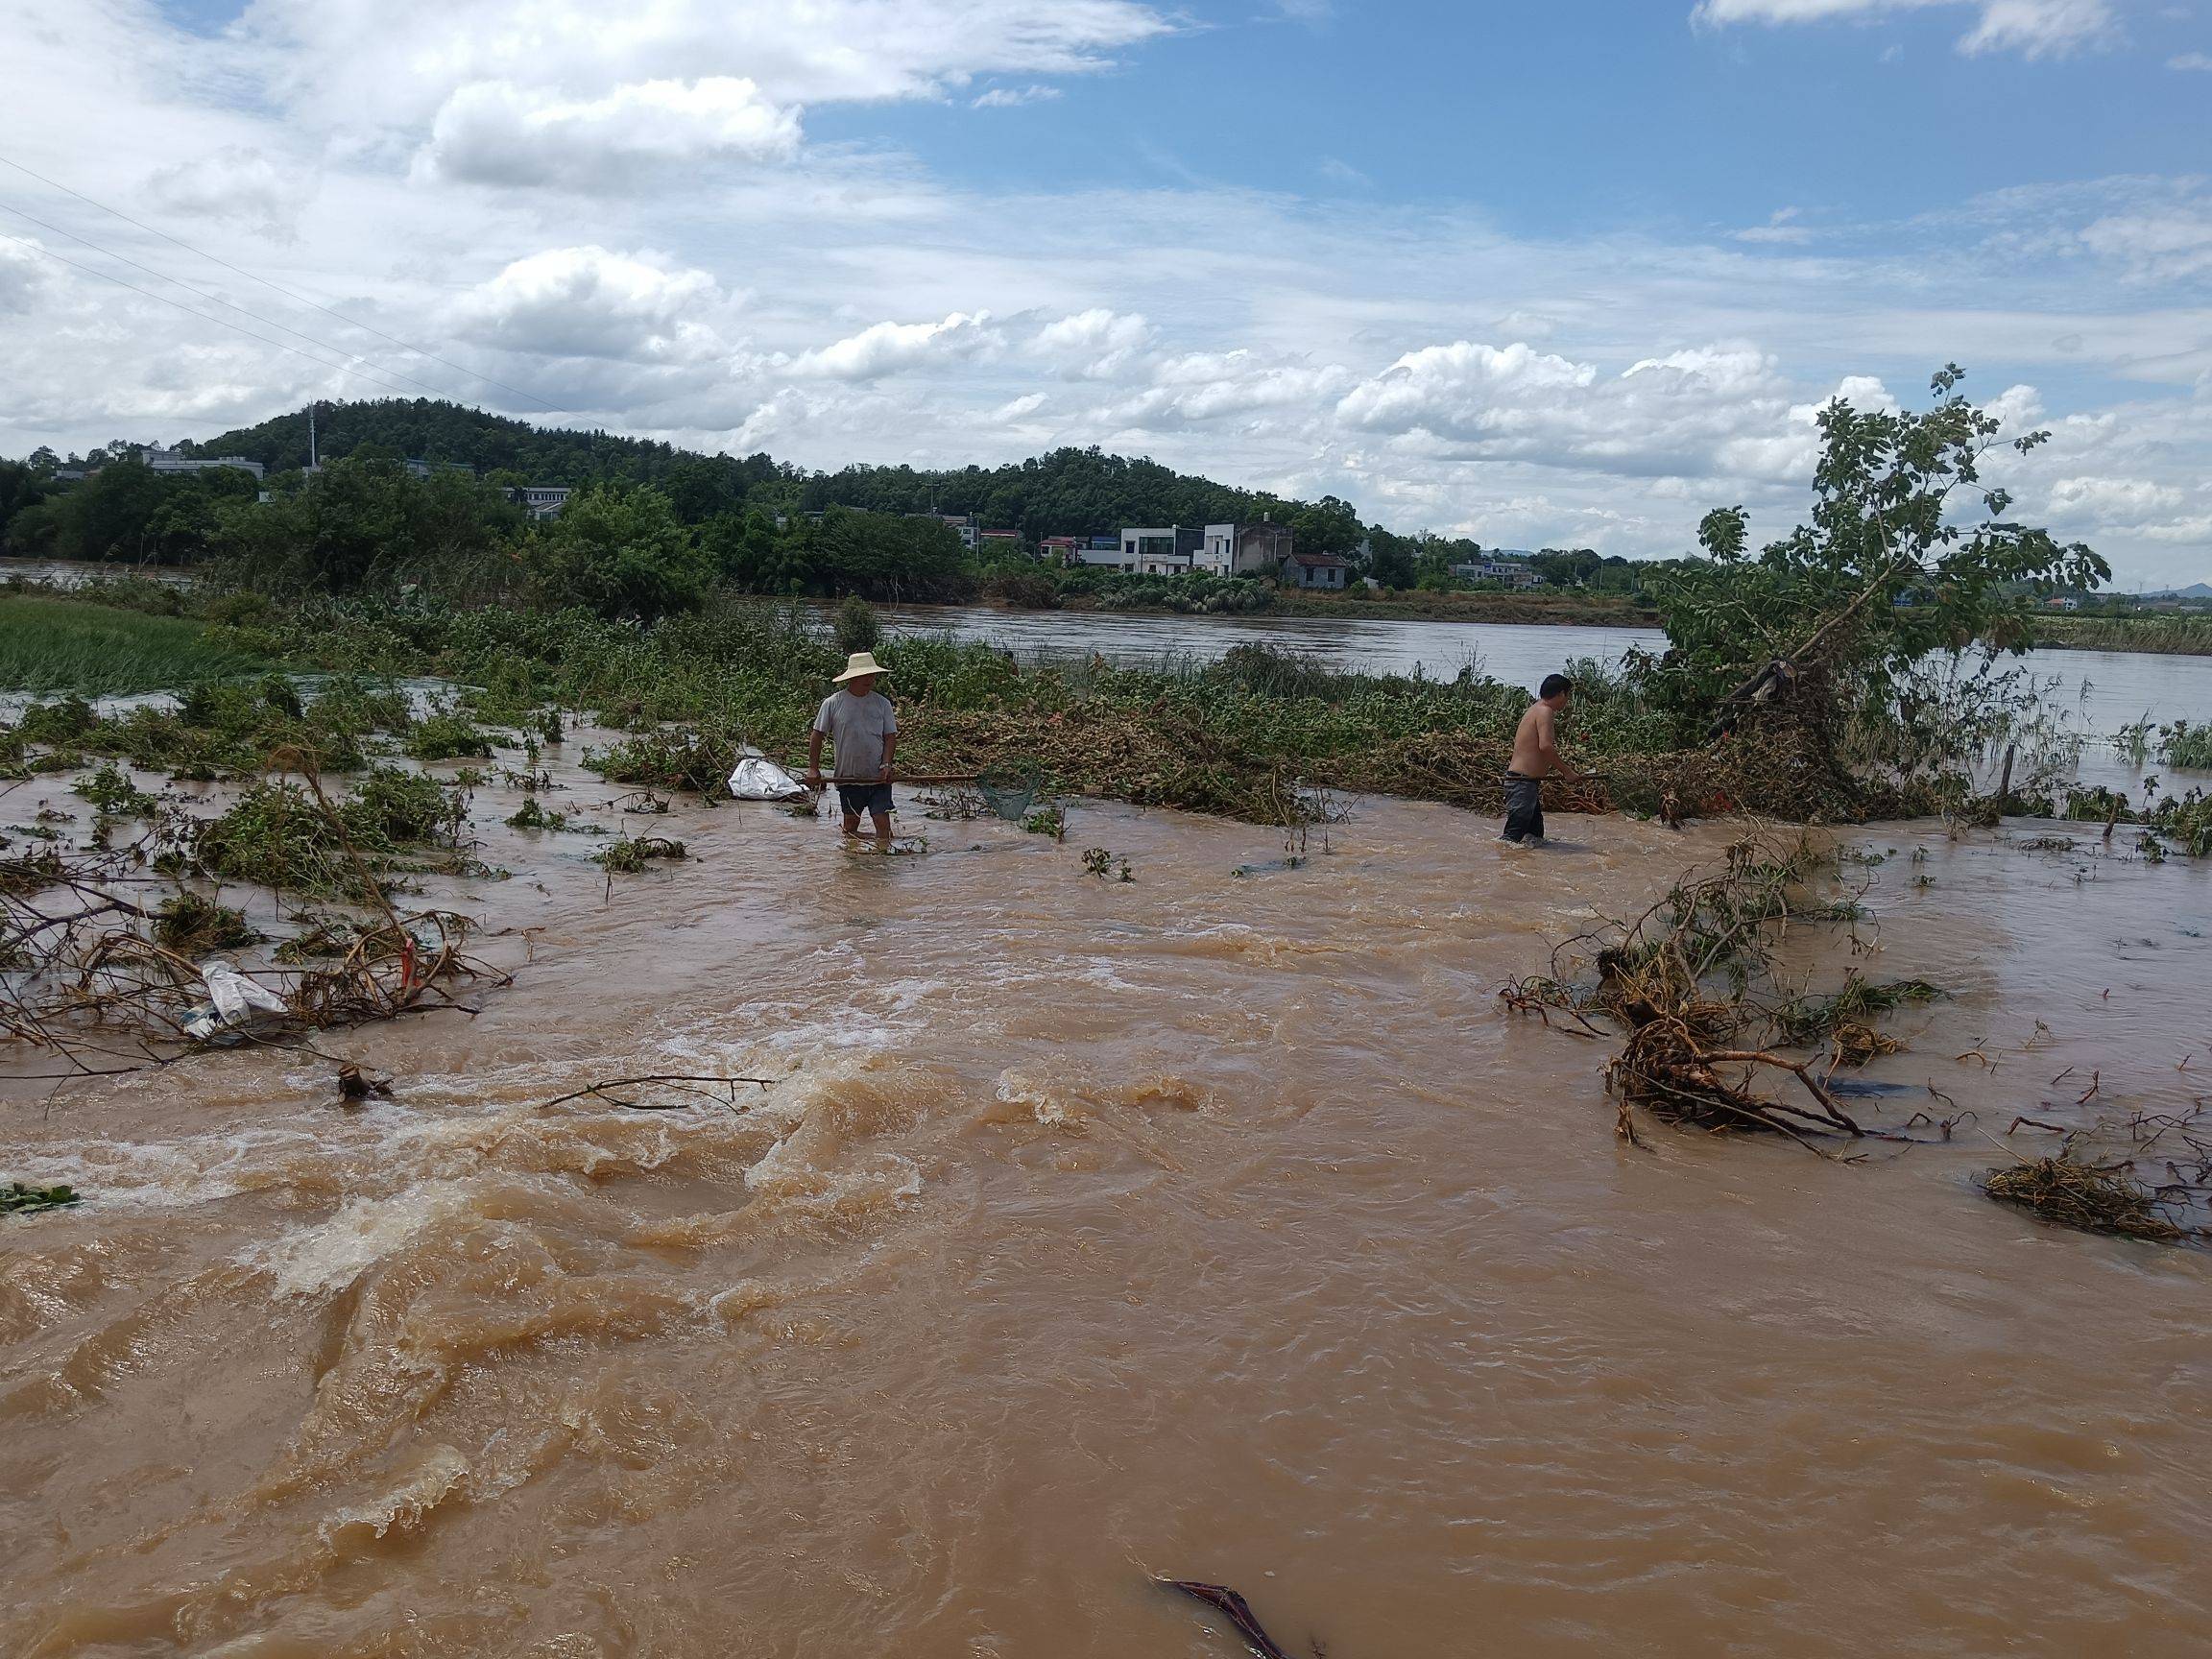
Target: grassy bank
x=1258 y=734
x=51 y=645
x=2170 y=636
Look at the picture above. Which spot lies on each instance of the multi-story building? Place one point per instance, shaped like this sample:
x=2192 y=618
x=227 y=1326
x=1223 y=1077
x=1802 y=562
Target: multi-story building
x=1163 y=550
x=1244 y=549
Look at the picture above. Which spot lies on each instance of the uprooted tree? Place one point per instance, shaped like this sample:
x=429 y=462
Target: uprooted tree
x=1909 y=553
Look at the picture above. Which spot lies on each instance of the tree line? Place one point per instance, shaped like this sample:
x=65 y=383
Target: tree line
x=749 y=521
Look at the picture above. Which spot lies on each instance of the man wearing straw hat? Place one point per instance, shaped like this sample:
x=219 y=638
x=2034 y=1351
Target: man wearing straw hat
x=863 y=732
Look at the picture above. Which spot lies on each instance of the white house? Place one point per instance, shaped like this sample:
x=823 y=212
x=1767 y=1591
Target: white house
x=1161 y=550
x=1508 y=568
x=541 y=501
x=170 y=461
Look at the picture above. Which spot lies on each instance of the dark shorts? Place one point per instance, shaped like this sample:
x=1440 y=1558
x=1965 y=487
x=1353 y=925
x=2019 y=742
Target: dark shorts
x=1523 y=807
x=854 y=798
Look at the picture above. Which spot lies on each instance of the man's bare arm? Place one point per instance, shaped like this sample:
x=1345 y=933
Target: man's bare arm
x=814 y=754
x=890 y=748
x=1547 y=745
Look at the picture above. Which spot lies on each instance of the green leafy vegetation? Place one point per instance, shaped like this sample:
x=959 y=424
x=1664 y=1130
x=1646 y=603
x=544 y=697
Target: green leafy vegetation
x=629 y=856
x=448 y=736
x=1857 y=1000
x=192 y=924
x=1907 y=553
x=111 y=792
x=279 y=835
x=2182 y=744
x=17 y=1199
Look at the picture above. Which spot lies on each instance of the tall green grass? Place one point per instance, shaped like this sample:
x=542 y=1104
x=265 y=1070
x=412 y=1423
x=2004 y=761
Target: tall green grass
x=2172 y=636
x=49 y=644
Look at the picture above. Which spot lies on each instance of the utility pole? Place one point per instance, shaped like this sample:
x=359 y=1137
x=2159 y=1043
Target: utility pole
x=310 y=436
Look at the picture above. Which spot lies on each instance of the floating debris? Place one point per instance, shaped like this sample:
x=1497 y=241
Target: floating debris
x=628 y=857
x=2092 y=1197
x=1235 y=1609
x=17 y=1199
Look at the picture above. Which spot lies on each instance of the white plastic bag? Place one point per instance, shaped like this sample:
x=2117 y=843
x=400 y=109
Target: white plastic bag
x=235 y=995
x=757 y=778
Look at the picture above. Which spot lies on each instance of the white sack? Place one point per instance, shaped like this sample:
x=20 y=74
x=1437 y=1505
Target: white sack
x=761 y=779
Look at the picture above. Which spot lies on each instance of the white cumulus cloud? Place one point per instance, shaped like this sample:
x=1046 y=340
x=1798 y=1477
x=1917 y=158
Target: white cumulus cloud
x=2114 y=500
x=497 y=133
x=590 y=302
x=897 y=348
x=1202 y=386
x=391 y=62
x=1094 y=345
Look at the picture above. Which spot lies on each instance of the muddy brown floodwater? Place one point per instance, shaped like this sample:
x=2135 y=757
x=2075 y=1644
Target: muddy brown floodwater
x=1210 y=1226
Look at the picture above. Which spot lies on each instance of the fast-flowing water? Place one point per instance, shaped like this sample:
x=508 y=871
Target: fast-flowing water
x=1211 y=1225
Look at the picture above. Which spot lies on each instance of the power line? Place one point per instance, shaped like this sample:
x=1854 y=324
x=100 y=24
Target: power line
x=217 y=299
x=219 y=321
x=278 y=288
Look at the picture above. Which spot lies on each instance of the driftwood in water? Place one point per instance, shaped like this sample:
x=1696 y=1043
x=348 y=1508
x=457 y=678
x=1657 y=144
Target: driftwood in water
x=712 y=1088
x=1236 y=1610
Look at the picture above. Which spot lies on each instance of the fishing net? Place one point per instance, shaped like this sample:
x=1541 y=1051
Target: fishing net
x=1011 y=788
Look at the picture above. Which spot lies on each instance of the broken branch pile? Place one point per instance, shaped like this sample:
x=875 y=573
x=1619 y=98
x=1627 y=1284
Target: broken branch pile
x=1689 y=987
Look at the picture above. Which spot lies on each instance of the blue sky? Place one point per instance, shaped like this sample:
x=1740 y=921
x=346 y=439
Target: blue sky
x=1553 y=274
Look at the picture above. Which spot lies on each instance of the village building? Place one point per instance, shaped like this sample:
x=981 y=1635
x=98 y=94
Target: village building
x=1510 y=567
x=162 y=460
x=541 y=501
x=1161 y=550
x=1314 y=570
x=1244 y=549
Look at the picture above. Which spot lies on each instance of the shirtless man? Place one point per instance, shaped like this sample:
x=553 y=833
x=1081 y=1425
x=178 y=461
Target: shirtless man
x=1536 y=757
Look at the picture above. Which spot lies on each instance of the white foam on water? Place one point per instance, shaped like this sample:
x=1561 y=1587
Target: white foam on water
x=167 y=1174
x=405 y=1506
x=334 y=1253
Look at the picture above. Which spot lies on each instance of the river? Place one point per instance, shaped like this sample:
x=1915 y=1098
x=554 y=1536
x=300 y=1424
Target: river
x=2120 y=685
x=1216 y=1226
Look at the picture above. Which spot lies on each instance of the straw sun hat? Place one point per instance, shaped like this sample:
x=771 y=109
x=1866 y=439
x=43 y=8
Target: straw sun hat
x=859 y=663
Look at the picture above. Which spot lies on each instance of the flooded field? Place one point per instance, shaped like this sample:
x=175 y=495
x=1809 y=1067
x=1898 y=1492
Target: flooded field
x=1210 y=1225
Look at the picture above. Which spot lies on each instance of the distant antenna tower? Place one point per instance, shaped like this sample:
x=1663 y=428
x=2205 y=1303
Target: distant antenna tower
x=312 y=466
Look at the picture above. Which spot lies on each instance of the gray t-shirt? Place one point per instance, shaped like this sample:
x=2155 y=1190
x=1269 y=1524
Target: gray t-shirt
x=857 y=726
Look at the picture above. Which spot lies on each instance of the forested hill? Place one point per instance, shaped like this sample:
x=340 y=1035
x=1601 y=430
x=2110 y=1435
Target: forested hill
x=1068 y=493
x=438 y=431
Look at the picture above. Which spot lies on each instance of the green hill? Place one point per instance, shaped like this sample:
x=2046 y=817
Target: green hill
x=1068 y=493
